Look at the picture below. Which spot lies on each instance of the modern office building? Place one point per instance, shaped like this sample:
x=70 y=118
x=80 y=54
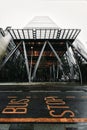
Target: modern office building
x=41 y=51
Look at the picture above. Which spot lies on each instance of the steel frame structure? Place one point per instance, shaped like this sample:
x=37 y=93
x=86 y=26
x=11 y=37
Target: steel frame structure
x=49 y=37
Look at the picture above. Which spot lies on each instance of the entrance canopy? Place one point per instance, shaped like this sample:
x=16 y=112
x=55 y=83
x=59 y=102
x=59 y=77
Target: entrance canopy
x=44 y=34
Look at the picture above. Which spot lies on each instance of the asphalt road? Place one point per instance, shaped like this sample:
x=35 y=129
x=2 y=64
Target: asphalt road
x=56 y=105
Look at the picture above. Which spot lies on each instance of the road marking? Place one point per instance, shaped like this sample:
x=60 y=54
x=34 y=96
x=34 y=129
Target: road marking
x=12 y=96
x=74 y=91
x=83 y=96
x=43 y=91
x=28 y=97
x=70 y=97
x=10 y=91
x=46 y=120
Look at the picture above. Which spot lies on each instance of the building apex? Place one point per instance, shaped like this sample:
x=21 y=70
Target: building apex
x=41 y=22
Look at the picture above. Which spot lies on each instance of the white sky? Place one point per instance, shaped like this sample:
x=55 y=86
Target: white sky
x=65 y=13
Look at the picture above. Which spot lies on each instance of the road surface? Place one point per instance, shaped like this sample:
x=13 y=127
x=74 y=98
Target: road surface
x=57 y=105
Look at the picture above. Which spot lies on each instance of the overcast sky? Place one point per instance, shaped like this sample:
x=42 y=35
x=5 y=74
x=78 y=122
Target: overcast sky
x=65 y=13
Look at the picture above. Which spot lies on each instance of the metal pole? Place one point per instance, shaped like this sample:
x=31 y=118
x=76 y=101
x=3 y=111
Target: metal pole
x=59 y=60
x=9 y=55
x=50 y=73
x=80 y=74
x=57 y=71
x=55 y=53
x=26 y=62
x=54 y=72
x=38 y=61
x=31 y=61
x=69 y=62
